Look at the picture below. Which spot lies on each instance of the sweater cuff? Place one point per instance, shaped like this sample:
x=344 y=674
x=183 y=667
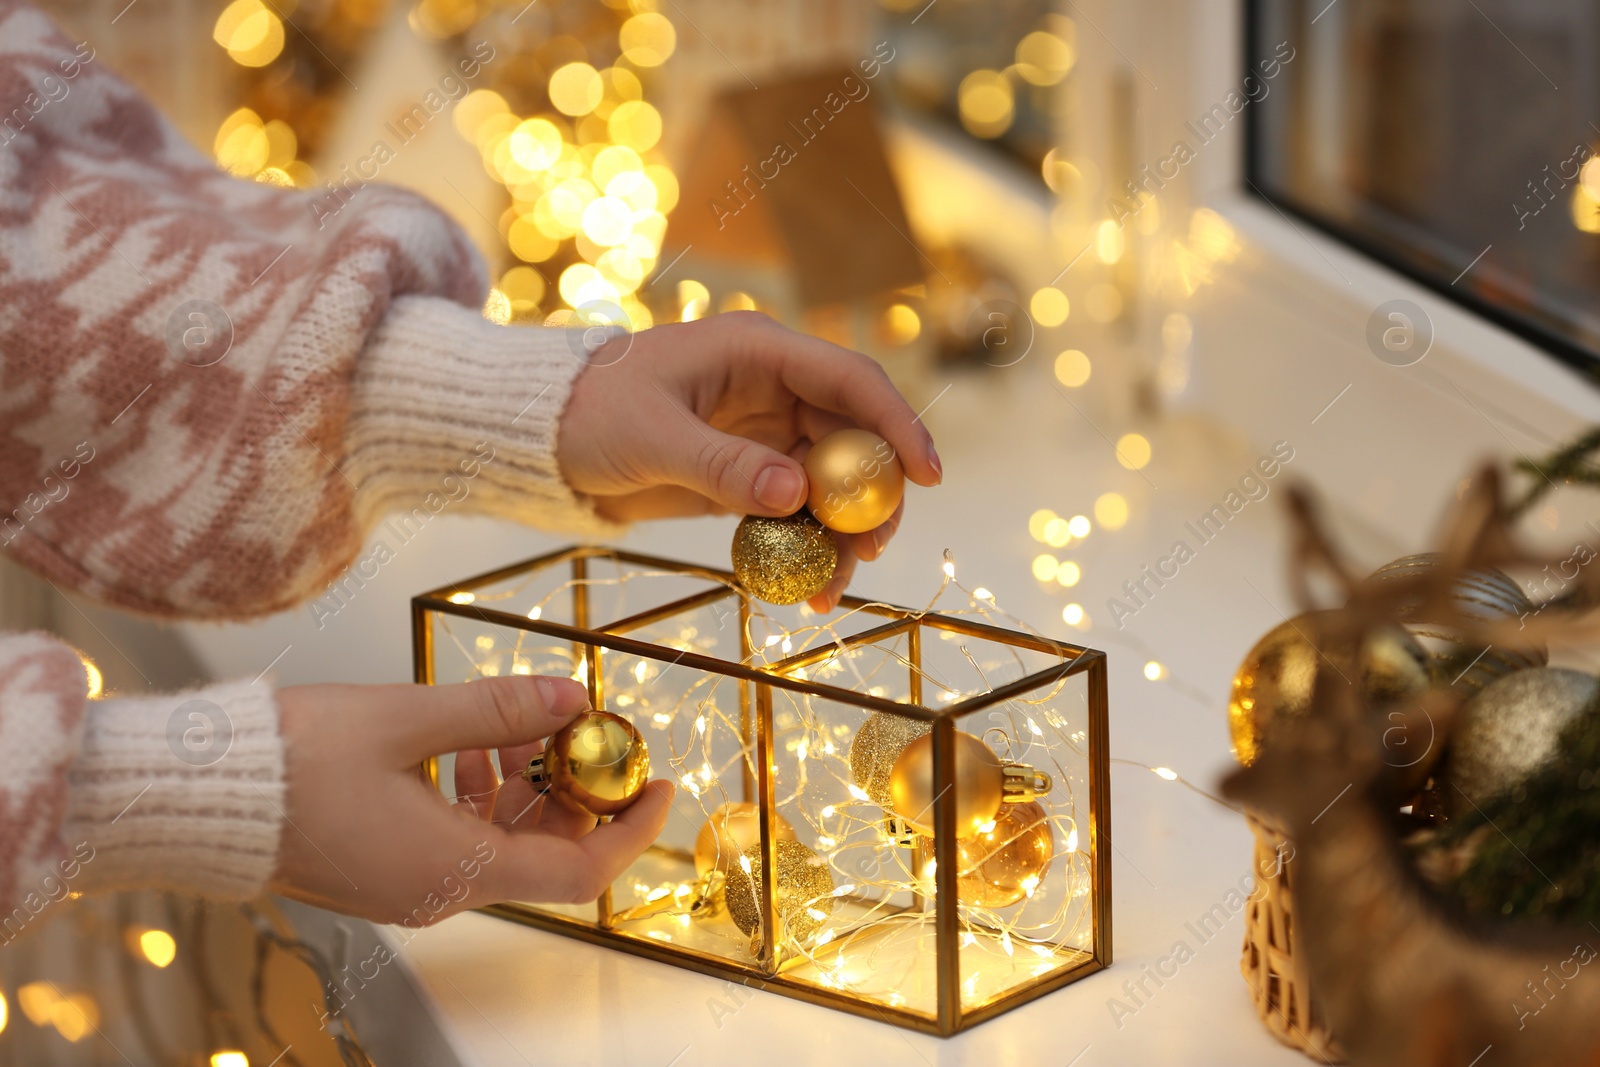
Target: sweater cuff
x=450 y=410
x=180 y=792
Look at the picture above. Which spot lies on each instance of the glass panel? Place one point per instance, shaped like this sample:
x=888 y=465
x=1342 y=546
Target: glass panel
x=1025 y=883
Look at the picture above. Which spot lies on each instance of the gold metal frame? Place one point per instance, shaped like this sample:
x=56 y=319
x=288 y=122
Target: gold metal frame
x=756 y=713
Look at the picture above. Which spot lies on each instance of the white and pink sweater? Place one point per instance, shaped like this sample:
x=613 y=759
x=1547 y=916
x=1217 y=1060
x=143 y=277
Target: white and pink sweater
x=173 y=461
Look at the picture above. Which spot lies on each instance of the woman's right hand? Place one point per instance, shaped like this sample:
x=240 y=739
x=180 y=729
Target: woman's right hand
x=366 y=835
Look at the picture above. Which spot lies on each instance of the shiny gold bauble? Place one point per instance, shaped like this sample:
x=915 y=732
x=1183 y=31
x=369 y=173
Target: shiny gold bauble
x=1001 y=866
x=783 y=561
x=1274 y=683
x=801 y=885
x=731 y=829
x=979 y=785
x=1485 y=593
x=1511 y=731
x=874 y=749
x=597 y=763
x=855 y=481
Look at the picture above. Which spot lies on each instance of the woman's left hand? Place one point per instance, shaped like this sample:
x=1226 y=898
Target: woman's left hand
x=715 y=416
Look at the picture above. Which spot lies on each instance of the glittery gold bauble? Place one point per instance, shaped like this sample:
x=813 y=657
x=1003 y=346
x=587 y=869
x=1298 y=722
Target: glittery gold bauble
x=855 y=481
x=783 y=561
x=1001 y=866
x=876 y=746
x=730 y=830
x=1273 y=684
x=1511 y=731
x=1484 y=593
x=979 y=785
x=802 y=884
x=597 y=763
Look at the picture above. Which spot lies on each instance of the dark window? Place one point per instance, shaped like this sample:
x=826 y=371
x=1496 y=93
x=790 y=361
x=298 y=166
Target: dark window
x=1448 y=139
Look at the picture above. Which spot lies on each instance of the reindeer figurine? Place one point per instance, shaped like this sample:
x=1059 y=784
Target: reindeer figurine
x=1404 y=978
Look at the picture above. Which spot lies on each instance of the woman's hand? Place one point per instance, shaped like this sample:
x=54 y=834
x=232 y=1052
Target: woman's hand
x=367 y=836
x=715 y=416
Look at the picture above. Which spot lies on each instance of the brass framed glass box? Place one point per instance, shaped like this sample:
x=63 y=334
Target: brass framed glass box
x=799 y=739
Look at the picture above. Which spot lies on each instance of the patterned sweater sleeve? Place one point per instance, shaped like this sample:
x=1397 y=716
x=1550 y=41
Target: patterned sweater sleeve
x=210 y=390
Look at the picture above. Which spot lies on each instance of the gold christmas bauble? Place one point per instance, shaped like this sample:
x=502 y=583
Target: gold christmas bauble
x=597 y=763
x=1273 y=685
x=979 y=785
x=731 y=829
x=802 y=890
x=874 y=749
x=1511 y=731
x=855 y=481
x=1485 y=593
x=1002 y=865
x=783 y=561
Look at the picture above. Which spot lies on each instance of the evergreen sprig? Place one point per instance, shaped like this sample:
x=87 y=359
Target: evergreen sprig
x=1568 y=465
x=1541 y=860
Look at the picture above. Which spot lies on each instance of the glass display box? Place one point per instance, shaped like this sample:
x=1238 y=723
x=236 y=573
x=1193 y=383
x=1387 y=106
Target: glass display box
x=913 y=804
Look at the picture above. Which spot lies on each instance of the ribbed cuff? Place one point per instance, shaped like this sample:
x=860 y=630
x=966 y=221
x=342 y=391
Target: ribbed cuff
x=179 y=792
x=451 y=411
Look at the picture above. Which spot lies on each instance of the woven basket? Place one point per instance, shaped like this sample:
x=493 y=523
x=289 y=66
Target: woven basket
x=1278 y=982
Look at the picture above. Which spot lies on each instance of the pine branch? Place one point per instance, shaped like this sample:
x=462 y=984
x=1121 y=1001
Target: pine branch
x=1543 y=864
x=1566 y=465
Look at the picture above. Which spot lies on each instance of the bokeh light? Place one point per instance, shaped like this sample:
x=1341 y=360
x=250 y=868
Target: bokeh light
x=1111 y=511
x=636 y=124
x=901 y=324
x=986 y=103
x=1072 y=368
x=241 y=146
x=1044 y=58
x=647 y=39
x=158 y=947
x=1049 y=307
x=250 y=31
x=1109 y=243
x=1038 y=521
x=576 y=89
x=1133 y=451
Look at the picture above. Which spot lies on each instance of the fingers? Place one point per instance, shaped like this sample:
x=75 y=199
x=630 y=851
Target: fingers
x=733 y=472
x=657 y=502
x=839 y=380
x=852 y=547
x=869 y=546
x=489 y=713
x=476 y=783
x=545 y=868
x=828 y=599
x=553 y=817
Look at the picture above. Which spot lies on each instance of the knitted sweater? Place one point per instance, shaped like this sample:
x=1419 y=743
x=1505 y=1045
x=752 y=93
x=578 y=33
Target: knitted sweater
x=209 y=393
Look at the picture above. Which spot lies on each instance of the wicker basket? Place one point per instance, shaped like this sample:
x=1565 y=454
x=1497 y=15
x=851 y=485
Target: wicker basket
x=1278 y=982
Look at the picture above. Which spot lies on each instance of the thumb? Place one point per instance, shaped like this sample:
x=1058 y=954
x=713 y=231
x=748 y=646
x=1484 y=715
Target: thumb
x=739 y=474
x=488 y=713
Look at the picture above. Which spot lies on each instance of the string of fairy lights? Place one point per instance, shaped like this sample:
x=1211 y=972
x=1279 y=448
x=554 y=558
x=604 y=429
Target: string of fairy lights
x=859 y=929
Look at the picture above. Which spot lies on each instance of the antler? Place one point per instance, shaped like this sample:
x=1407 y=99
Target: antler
x=1476 y=535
